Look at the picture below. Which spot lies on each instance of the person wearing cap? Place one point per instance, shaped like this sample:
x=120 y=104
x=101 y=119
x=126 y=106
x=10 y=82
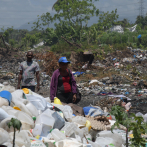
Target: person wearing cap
x=63 y=85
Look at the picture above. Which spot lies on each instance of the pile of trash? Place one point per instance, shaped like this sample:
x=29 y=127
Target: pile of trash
x=47 y=124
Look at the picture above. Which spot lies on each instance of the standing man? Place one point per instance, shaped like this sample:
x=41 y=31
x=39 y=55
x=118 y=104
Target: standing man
x=28 y=69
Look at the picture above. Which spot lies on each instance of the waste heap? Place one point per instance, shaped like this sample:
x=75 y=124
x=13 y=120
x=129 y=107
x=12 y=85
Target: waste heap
x=53 y=124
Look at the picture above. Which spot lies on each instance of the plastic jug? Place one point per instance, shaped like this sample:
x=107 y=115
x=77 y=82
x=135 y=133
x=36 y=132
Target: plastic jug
x=104 y=141
x=71 y=128
x=3 y=114
x=23 y=108
x=79 y=120
x=32 y=109
x=8 y=144
x=4 y=125
x=47 y=122
x=4 y=136
x=57 y=135
x=39 y=102
x=3 y=102
x=59 y=121
x=21 y=138
x=69 y=143
x=18 y=96
x=117 y=138
x=37 y=143
x=26 y=120
x=9 y=110
x=67 y=111
x=57 y=101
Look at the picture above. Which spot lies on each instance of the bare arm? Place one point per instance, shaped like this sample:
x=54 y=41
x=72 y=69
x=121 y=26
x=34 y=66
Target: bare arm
x=19 y=79
x=38 y=80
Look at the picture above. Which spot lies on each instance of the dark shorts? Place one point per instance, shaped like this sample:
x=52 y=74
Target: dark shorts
x=32 y=88
x=65 y=97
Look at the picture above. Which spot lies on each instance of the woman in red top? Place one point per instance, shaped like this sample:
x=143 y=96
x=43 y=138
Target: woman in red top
x=63 y=84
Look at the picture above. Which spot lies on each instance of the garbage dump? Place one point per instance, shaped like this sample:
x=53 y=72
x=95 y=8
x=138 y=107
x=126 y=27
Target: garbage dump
x=87 y=124
x=52 y=124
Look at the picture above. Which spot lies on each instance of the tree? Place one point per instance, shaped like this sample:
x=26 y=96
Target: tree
x=73 y=16
x=16 y=124
x=142 y=21
x=57 y=3
x=50 y=37
x=75 y=11
x=43 y=21
x=107 y=20
x=12 y=42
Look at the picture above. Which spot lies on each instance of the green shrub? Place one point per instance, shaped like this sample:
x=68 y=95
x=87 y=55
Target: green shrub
x=144 y=40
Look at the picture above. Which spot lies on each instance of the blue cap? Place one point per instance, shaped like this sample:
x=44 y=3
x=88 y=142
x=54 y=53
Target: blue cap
x=64 y=60
x=139 y=36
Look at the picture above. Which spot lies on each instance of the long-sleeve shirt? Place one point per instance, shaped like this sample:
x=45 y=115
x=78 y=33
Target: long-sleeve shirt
x=54 y=84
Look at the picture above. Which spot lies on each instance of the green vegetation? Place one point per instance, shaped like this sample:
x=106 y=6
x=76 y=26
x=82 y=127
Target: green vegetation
x=132 y=123
x=71 y=33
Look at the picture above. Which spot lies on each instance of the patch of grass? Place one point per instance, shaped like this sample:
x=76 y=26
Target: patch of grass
x=129 y=66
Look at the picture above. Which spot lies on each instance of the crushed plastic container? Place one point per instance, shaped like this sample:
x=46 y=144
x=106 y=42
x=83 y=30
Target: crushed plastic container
x=71 y=128
x=104 y=141
x=46 y=122
x=26 y=120
x=79 y=120
x=39 y=102
x=3 y=102
x=117 y=138
x=57 y=135
x=67 y=111
x=3 y=114
x=21 y=138
x=69 y=143
x=59 y=121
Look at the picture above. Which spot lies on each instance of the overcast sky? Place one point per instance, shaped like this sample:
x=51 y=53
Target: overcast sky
x=19 y=12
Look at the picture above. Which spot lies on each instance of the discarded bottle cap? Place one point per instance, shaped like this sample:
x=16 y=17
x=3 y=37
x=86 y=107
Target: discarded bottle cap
x=34 y=118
